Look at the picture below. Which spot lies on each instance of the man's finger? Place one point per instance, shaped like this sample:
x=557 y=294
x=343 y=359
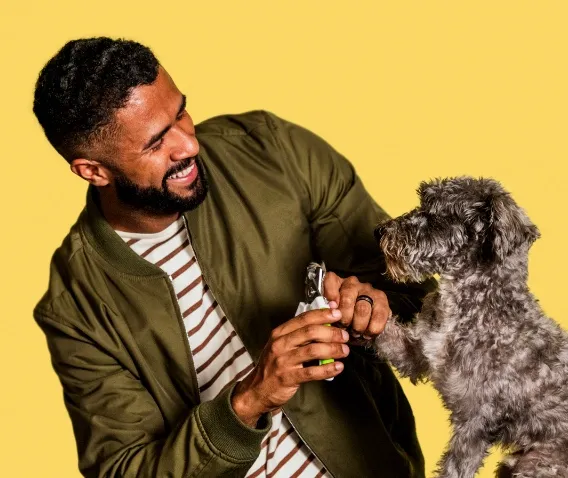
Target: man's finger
x=311 y=317
x=348 y=294
x=362 y=312
x=317 y=351
x=331 y=285
x=317 y=372
x=365 y=313
x=380 y=314
x=309 y=333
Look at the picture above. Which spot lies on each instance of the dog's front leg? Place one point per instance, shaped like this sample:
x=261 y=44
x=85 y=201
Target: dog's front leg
x=399 y=345
x=466 y=451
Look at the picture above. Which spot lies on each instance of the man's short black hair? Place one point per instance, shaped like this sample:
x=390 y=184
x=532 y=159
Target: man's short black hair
x=81 y=87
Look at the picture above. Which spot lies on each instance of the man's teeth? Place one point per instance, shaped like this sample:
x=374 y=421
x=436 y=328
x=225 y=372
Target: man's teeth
x=183 y=173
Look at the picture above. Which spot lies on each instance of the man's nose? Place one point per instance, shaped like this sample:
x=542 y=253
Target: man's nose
x=186 y=145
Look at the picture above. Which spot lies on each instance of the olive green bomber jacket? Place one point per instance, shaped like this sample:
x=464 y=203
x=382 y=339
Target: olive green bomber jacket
x=279 y=197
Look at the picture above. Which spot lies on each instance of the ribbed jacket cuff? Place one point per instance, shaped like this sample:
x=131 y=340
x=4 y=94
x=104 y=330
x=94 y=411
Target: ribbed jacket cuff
x=227 y=433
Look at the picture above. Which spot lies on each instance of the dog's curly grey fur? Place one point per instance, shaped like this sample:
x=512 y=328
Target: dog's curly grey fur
x=499 y=363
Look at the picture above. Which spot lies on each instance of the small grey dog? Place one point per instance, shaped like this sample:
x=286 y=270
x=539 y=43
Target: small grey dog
x=499 y=363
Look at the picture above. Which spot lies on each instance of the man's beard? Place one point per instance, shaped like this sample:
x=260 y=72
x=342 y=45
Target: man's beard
x=161 y=201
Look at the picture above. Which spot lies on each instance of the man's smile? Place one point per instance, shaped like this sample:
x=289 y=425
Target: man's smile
x=185 y=177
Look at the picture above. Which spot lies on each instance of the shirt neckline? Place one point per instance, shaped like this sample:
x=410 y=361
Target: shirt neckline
x=163 y=234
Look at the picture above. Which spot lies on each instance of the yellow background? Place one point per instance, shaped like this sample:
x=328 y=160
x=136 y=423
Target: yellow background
x=407 y=90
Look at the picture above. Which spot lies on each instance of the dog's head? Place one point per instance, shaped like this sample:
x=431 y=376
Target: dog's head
x=460 y=221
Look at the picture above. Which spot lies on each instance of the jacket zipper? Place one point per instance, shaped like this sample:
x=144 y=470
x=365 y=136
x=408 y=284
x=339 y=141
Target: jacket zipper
x=224 y=311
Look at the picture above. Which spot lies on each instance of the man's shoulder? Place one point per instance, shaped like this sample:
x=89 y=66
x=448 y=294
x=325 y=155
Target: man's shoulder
x=237 y=124
x=64 y=265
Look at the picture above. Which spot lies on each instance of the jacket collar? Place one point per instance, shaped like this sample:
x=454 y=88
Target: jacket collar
x=108 y=244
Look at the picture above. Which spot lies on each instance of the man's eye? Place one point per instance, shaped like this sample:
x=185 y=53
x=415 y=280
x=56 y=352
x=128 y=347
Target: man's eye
x=158 y=146
x=181 y=115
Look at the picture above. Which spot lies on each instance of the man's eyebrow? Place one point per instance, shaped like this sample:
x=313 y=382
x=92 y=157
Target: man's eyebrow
x=182 y=106
x=159 y=135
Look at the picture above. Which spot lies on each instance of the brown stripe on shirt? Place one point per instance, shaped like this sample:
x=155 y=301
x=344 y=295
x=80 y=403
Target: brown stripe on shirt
x=203 y=344
x=304 y=466
x=190 y=286
x=286 y=459
x=259 y=471
x=155 y=246
x=237 y=377
x=280 y=440
x=268 y=438
x=185 y=267
x=271 y=454
x=238 y=353
x=196 y=306
x=173 y=253
x=217 y=352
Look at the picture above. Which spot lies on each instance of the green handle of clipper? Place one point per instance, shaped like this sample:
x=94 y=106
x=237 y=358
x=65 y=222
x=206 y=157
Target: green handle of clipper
x=324 y=361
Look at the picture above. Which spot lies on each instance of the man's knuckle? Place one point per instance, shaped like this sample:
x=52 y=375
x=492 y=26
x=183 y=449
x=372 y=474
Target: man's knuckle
x=359 y=327
x=299 y=319
x=281 y=378
x=274 y=347
x=336 y=334
x=346 y=301
x=310 y=373
x=311 y=331
x=381 y=295
x=374 y=328
x=351 y=286
x=312 y=351
x=323 y=313
x=279 y=362
x=337 y=349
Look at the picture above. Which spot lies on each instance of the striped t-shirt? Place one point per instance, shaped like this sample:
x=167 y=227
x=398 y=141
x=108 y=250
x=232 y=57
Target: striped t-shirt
x=219 y=355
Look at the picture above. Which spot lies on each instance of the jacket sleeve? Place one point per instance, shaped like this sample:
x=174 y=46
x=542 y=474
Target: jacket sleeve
x=343 y=216
x=119 y=429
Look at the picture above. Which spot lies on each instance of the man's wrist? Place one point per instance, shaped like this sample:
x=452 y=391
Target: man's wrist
x=225 y=431
x=245 y=406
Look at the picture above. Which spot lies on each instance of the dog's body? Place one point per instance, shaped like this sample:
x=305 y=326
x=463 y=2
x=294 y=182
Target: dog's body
x=499 y=364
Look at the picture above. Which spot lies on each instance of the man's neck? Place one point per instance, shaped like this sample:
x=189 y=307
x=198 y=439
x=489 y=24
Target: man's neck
x=122 y=217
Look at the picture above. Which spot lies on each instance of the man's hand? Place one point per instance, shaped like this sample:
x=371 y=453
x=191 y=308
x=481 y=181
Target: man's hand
x=358 y=316
x=280 y=369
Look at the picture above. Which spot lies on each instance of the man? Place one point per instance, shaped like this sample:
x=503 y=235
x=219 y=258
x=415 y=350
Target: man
x=169 y=313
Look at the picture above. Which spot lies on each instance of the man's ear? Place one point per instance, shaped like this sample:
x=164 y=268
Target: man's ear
x=91 y=171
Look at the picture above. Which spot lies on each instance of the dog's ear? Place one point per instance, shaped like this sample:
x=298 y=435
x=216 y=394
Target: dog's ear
x=507 y=227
